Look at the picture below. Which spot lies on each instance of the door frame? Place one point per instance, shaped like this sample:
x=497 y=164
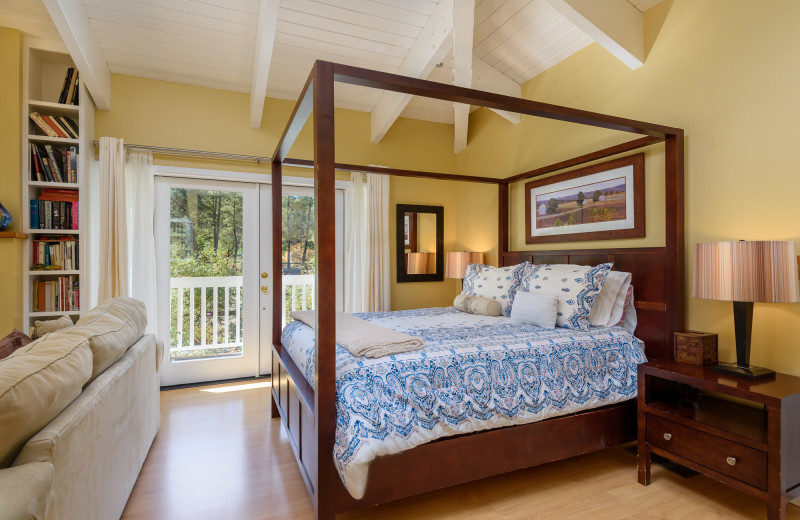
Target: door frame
x=264 y=263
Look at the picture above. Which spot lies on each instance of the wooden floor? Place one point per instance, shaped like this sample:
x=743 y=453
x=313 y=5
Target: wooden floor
x=218 y=456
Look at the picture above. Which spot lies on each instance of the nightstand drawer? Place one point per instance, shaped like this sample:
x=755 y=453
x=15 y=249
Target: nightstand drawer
x=721 y=455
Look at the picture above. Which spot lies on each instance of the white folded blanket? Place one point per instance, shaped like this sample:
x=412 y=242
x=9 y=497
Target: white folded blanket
x=362 y=338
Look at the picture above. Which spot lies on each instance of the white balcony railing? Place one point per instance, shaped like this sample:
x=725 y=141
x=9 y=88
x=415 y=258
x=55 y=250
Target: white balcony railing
x=207 y=313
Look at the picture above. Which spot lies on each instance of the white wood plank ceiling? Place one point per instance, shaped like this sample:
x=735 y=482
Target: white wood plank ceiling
x=213 y=43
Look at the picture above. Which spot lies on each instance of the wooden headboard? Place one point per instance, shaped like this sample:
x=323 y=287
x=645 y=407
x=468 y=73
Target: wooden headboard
x=647 y=267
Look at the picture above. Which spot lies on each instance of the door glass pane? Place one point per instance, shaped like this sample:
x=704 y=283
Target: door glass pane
x=298 y=254
x=205 y=274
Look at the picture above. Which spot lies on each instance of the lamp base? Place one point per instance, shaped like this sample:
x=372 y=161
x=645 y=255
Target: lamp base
x=751 y=373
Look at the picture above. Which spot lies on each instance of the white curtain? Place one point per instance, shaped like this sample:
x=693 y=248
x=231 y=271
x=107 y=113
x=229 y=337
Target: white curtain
x=122 y=245
x=366 y=258
x=112 y=262
x=140 y=199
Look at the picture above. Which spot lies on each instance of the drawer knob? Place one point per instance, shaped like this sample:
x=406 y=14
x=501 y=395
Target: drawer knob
x=667 y=436
x=731 y=461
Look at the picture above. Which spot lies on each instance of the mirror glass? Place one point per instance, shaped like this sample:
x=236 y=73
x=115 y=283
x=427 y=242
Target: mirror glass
x=420 y=240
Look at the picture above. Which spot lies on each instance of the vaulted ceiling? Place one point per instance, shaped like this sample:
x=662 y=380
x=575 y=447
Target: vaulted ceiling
x=267 y=47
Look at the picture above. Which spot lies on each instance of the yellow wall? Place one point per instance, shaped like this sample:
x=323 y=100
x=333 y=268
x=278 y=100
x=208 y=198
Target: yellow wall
x=724 y=70
x=11 y=185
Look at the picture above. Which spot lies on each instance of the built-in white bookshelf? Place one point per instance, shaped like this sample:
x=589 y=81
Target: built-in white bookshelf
x=44 y=72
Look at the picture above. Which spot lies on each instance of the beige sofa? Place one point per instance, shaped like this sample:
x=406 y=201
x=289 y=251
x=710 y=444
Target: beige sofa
x=79 y=409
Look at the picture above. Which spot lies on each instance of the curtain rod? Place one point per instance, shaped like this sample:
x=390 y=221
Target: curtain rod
x=195 y=153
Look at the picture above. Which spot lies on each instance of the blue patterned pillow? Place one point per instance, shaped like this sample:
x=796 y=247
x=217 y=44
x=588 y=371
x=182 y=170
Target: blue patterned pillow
x=496 y=283
x=577 y=287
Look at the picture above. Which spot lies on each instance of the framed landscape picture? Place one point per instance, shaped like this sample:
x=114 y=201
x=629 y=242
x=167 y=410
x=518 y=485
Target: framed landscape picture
x=600 y=202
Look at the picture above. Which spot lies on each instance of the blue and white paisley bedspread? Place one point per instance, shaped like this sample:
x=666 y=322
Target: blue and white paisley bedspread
x=474 y=373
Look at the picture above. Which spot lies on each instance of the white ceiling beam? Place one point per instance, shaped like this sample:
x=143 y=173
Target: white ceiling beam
x=615 y=24
x=463 y=27
x=489 y=79
x=431 y=47
x=69 y=17
x=262 y=58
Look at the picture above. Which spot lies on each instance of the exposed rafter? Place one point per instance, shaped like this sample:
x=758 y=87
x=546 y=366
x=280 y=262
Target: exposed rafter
x=262 y=58
x=487 y=78
x=430 y=48
x=615 y=24
x=463 y=27
x=69 y=17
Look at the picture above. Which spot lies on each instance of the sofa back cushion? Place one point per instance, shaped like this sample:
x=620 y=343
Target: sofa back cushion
x=111 y=328
x=36 y=383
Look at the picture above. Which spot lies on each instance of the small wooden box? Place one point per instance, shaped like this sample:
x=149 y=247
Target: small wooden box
x=697 y=348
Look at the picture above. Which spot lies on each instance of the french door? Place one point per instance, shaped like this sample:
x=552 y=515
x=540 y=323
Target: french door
x=214 y=273
x=208 y=281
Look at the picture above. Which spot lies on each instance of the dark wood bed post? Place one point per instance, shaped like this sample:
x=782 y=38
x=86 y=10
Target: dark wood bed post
x=277 y=271
x=502 y=221
x=325 y=306
x=675 y=257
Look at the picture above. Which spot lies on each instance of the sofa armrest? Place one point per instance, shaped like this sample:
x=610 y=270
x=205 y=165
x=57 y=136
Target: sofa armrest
x=26 y=491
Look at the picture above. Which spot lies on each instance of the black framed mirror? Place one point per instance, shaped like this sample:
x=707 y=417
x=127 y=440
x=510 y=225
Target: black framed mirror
x=420 y=243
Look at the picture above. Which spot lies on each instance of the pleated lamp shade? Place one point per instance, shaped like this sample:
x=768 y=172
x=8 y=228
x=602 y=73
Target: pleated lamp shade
x=458 y=261
x=746 y=271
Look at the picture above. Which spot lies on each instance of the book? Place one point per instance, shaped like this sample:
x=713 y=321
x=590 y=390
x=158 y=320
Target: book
x=45 y=160
x=36 y=169
x=53 y=164
x=74 y=223
x=65 y=124
x=62 y=97
x=76 y=94
x=73 y=78
x=36 y=118
x=52 y=123
x=72 y=125
x=34 y=224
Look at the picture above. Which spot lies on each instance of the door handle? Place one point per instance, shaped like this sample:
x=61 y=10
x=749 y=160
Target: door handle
x=264 y=275
x=264 y=289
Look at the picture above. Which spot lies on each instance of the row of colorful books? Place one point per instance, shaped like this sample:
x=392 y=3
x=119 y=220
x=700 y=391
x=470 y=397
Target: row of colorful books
x=56 y=126
x=54 y=163
x=54 y=214
x=54 y=253
x=61 y=294
x=69 y=92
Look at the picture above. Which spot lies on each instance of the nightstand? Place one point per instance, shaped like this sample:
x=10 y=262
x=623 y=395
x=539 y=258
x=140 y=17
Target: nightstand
x=752 y=444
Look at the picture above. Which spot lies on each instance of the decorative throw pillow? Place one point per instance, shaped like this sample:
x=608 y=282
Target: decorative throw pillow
x=477 y=305
x=607 y=308
x=12 y=342
x=534 y=308
x=40 y=328
x=496 y=283
x=577 y=287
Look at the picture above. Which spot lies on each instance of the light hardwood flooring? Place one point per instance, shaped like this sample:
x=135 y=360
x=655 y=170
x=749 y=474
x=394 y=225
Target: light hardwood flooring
x=218 y=456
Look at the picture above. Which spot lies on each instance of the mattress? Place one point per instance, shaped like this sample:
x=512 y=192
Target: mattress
x=474 y=373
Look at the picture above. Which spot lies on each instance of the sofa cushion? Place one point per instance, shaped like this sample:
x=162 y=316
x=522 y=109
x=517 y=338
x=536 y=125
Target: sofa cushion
x=36 y=383
x=42 y=327
x=26 y=491
x=111 y=329
x=12 y=342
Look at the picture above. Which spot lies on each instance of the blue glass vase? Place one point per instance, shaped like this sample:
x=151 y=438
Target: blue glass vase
x=5 y=218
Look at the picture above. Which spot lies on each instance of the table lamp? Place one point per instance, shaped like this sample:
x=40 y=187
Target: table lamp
x=745 y=272
x=457 y=262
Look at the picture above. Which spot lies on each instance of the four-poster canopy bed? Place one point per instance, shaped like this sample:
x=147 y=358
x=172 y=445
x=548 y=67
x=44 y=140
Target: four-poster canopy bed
x=310 y=414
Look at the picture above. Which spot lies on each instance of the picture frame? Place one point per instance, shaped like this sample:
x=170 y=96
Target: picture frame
x=603 y=201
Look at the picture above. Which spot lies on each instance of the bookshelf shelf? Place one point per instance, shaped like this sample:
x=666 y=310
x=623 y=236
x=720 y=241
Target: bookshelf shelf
x=51 y=140
x=48 y=184
x=52 y=272
x=58 y=109
x=44 y=74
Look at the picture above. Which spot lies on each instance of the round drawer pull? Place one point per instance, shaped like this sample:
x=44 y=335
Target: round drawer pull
x=731 y=461
x=668 y=437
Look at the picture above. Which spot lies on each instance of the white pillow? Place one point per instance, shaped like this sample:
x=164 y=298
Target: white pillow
x=607 y=308
x=629 y=319
x=577 y=287
x=533 y=308
x=496 y=283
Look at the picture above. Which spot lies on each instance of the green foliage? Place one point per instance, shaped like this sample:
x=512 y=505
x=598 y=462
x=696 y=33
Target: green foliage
x=596 y=196
x=581 y=198
x=298 y=248
x=552 y=206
